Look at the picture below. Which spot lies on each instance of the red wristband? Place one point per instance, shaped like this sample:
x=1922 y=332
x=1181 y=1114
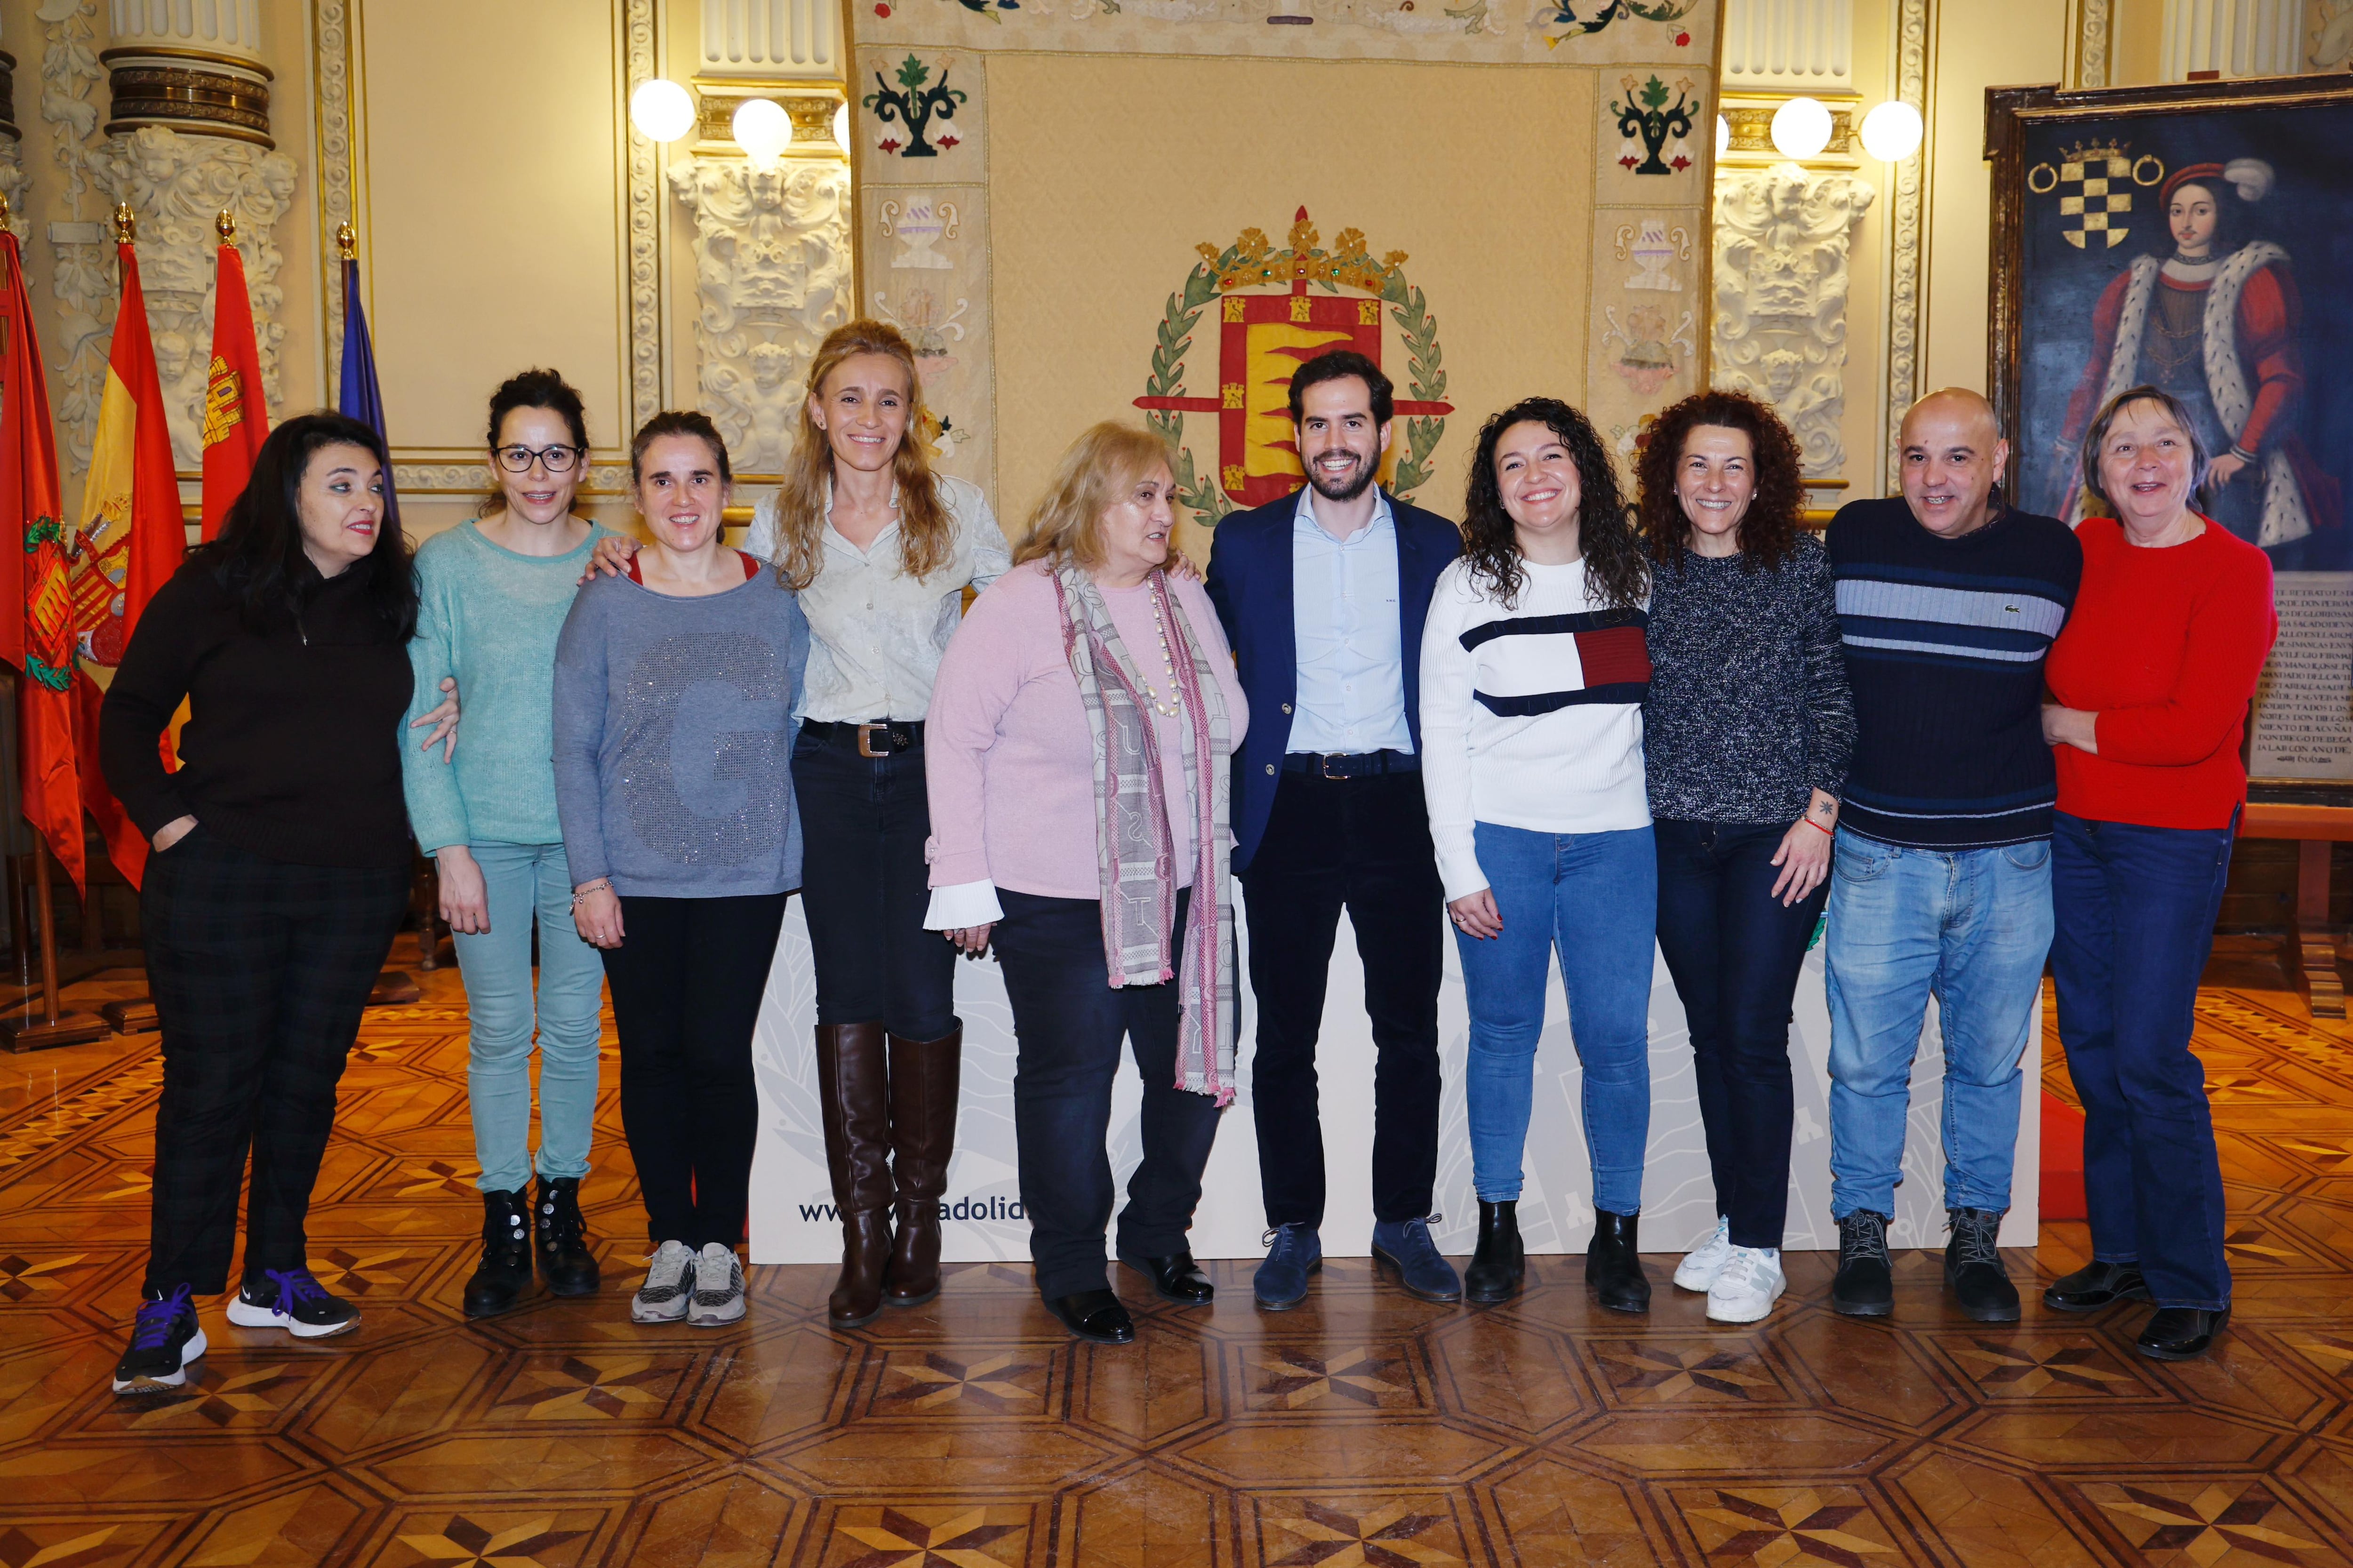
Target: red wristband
x=1817 y=826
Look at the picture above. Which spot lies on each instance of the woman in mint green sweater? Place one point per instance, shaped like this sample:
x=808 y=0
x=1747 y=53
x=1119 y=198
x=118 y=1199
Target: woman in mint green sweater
x=495 y=592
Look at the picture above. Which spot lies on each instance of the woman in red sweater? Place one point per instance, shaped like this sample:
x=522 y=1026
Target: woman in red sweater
x=2151 y=679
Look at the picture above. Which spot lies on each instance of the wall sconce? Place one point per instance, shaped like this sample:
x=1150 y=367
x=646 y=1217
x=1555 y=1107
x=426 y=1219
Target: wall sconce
x=841 y=127
x=763 y=129
x=1890 y=132
x=661 y=109
x=1801 y=128
x=1722 y=136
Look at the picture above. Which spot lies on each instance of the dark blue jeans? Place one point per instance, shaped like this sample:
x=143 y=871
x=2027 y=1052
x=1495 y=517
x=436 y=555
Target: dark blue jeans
x=2135 y=909
x=1067 y=1021
x=1734 y=951
x=864 y=888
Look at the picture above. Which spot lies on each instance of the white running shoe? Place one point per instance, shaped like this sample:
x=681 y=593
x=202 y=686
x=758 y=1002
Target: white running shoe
x=718 y=1289
x=669 y=1281
x=1746 y=1286
x=1701 y=1265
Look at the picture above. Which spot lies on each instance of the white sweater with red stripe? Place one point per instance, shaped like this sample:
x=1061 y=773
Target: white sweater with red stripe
x=1531 y=716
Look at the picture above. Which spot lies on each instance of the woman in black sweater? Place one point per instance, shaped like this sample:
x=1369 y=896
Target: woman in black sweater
x=281 y=866
x=1746 y=732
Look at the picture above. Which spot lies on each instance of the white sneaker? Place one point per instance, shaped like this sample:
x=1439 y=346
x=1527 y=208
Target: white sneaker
x=718 y=1289
x=1746 y=1286
x=669 y=1281
x=1700 y=1266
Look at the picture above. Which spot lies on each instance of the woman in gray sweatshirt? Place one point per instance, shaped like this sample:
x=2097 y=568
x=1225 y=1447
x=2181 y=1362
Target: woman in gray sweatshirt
x=675 y=688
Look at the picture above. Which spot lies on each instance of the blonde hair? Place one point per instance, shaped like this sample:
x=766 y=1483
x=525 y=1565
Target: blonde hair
x=927 y=532
x=1100 y=468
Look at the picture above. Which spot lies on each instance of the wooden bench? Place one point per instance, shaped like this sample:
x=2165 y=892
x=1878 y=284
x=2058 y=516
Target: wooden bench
x=2312 y=942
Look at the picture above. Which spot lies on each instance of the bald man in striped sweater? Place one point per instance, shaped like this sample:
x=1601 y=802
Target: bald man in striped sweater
x=1948 y=599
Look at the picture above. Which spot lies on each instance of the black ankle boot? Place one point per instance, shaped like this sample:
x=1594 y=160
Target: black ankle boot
x=1613 y=1264
x=1500 y=1264
x=561 y=1238
x=505 y=1271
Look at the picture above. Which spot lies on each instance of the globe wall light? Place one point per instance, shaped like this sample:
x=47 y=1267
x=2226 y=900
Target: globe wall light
x=1801 y=128
x=763 y=129
x=661 y=109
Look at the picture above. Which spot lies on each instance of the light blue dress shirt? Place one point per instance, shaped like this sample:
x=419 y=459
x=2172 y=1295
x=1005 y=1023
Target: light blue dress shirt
x=1345 y=611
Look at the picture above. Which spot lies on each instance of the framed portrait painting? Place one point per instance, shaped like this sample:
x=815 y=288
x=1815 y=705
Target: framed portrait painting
x=2198 y=237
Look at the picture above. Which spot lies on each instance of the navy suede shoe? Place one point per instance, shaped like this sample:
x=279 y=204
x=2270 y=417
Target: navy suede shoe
x=1296 y=1251
x=1405 y=1247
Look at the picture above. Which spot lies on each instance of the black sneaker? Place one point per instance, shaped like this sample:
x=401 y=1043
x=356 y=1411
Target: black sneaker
x=289 y=1298
x=164 y=1339
x=1973 y=1269
x=1865 y=1285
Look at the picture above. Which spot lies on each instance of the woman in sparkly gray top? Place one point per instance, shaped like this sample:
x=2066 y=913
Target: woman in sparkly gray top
x=1746 y=732
x=675 y=687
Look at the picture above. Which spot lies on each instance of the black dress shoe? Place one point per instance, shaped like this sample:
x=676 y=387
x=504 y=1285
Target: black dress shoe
x=1613 y=1263
x=2095 y=1285
x=1094 y=1315
x=2181 y=1334
x=1500 y=1264
x=1176 y=1278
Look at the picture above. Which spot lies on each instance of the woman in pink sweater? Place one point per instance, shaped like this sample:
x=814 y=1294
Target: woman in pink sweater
x=1090 y=687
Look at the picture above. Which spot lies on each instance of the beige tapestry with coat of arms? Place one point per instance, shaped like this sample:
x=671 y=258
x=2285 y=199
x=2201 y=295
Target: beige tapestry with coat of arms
x=1090 y=209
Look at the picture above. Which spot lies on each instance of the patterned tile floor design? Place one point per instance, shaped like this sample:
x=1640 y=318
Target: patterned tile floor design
x=1364 y=1430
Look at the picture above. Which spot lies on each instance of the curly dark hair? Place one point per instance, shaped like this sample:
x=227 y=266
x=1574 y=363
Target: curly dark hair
x=1614 y=568
x=1769 y=529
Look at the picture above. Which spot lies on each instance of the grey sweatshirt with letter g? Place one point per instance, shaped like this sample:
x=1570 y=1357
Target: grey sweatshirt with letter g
x=674 y=735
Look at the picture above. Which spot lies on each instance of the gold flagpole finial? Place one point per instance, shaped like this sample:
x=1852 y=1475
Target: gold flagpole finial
x=126 y=224
x=347 y=241
x=3 y=206
x=226 y=226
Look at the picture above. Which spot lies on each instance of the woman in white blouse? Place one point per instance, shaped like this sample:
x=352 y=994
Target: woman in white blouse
x=880 y=551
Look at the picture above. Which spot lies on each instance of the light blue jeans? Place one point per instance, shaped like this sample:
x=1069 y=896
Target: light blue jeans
x=1972 y=926
x=519 y=879
x=1593 y=898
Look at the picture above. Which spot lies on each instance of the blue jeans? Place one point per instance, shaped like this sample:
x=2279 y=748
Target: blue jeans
x=1973 y=926
x=2137 y=907
x=521 y=878
x=1594 y=898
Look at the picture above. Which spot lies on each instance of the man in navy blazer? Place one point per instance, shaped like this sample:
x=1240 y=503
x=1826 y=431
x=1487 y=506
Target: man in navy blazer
x=1323 y=597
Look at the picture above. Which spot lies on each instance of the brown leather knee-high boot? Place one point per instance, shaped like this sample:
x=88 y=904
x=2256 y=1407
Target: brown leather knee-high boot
x=854 y=1095
x=924 y=1080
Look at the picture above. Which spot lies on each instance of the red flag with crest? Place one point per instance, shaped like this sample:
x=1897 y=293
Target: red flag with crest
x=236 y=417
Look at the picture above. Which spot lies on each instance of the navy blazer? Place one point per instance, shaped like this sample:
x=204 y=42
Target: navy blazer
x=1250 y=583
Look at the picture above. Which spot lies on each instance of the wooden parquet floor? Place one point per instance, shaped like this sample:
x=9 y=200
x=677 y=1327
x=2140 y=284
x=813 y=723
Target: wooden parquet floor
x=1364 y=1430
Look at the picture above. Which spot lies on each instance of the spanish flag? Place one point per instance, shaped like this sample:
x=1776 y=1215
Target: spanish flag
x=133 y=539
x=236 y=417
x=37 y=635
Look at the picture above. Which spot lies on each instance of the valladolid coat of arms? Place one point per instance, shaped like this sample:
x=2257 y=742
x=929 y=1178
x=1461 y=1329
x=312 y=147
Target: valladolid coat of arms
x=1277 y=309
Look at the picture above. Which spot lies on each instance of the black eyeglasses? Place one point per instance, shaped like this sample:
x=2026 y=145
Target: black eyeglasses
x=558 y=460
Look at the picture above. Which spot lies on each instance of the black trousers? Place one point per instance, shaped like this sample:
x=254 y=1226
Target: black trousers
x=686 y=983
x=259 y=970
x=1067 y=1021
x=1361 y=844
x=866 y=886
x=1735 y=952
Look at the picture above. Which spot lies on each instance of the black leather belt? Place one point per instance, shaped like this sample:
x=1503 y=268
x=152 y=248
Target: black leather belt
x=880 y=738
x=1350 y=764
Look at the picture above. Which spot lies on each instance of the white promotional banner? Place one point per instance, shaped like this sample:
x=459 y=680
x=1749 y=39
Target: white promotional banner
x=794 y=1220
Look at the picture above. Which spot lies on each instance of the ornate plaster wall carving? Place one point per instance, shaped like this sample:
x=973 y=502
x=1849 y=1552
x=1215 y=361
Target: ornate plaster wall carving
x=177 y=185
x=646 y=391
x=772 y=275
x=1907 y=207
x=2093 y=24
x=81 y=274
x=1782 y=237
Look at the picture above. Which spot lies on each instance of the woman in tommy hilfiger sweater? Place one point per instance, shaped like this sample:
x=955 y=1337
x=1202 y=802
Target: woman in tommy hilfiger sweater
x=1533 y=672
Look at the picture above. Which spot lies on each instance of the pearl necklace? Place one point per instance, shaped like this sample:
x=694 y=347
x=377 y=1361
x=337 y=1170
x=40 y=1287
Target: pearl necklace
x=1176 y=704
